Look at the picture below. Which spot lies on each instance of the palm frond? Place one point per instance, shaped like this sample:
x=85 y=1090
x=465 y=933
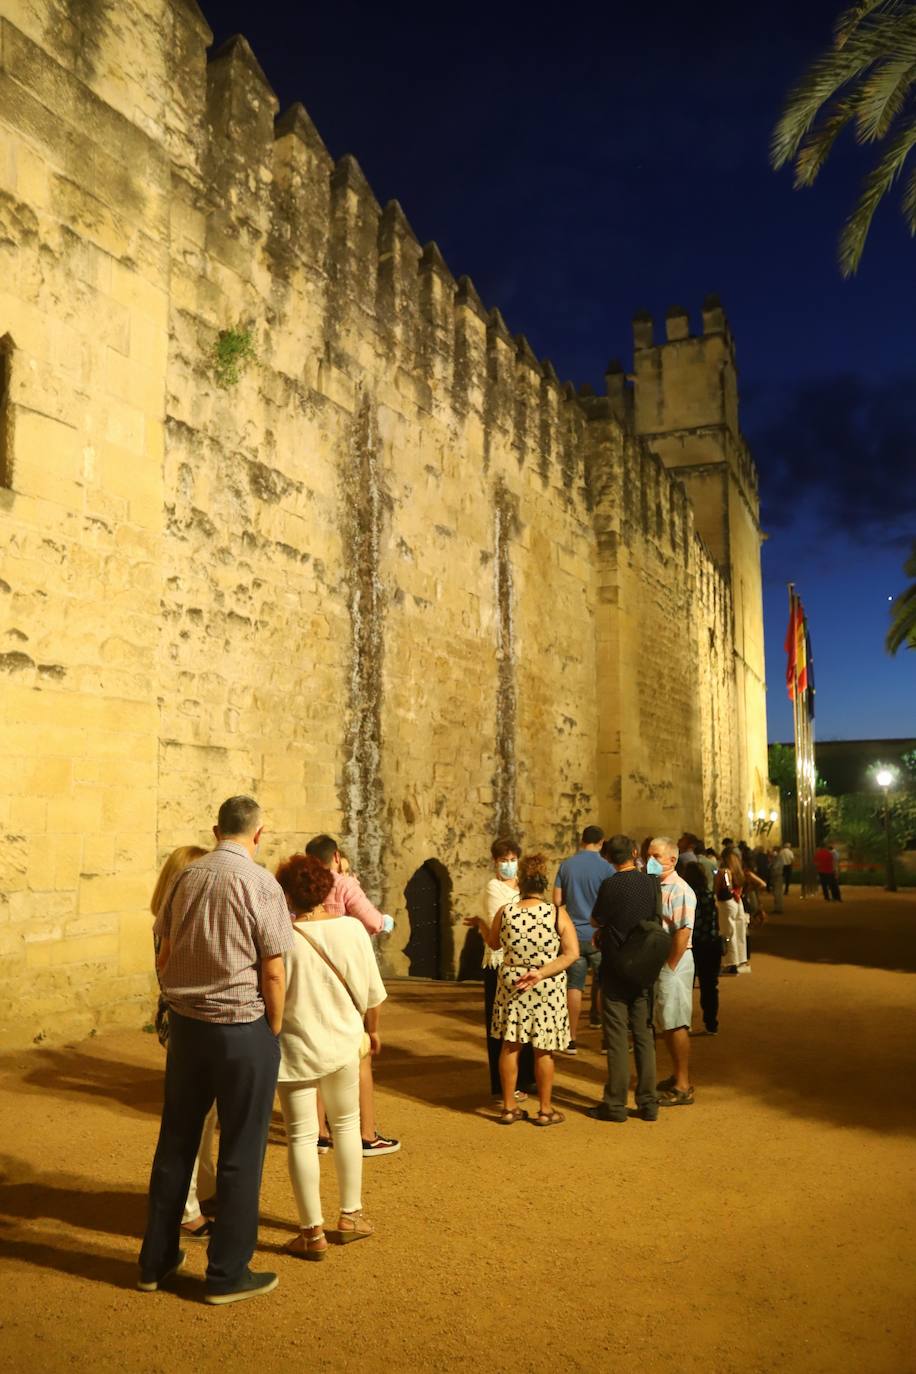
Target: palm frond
x=875 y=186
x=818 y=142
x=882 y=95
x=889 y=36
x=908 y=206
x=903 y=623
x=850 y=19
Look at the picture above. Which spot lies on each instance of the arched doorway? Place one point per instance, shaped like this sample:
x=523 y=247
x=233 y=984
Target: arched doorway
x=428 y=899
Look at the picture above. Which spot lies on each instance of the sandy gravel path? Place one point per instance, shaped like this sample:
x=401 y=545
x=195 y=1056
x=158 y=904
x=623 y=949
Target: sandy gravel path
x=767 y=1228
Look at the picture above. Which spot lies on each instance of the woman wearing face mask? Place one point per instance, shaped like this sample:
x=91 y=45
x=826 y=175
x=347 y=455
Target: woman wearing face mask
x=502 y=888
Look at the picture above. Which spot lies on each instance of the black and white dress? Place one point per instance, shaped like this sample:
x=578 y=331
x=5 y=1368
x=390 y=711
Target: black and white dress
x=538 y=1015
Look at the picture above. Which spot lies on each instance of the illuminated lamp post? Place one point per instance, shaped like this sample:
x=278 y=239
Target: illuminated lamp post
x=885 y=780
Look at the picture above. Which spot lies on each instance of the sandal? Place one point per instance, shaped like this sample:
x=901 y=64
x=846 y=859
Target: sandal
x=509 y=1117
x=307 y=1247
x=197 y=1232
x=674 y=1097
x=664 y=1085
x=551 y=1118
x=353 y=1226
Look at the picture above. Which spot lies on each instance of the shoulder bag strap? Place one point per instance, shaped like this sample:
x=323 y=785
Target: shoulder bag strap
x=331 y=965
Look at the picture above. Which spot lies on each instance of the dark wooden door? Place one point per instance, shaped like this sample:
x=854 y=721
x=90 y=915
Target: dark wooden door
x=424 y=911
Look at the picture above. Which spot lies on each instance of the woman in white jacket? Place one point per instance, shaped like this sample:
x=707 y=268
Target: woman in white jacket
x=328 y=1012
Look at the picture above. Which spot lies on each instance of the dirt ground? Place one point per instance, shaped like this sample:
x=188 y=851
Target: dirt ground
x=767 y=1228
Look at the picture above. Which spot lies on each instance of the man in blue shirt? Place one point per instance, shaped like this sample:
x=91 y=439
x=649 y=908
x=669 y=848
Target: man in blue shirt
x=576 y=887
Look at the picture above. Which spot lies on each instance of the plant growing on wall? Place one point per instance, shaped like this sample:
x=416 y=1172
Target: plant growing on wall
x=233 y=351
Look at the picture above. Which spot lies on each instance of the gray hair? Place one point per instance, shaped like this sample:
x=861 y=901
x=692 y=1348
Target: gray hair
x=238 y=816
x=665 y=844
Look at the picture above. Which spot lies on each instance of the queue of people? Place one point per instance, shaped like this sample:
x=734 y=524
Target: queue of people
x=271 y=983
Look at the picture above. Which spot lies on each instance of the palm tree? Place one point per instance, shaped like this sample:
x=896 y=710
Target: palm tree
x=866 y=78
x=903 y=611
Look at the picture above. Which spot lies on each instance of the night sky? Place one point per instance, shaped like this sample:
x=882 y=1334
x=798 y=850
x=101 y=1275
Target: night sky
x=611 y=158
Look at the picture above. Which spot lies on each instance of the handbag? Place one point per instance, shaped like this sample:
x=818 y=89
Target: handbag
x=365 y=1045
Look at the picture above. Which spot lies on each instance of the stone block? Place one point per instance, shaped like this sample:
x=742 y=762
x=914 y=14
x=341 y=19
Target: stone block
x=84 y=949
x=119 y=892
x=135 y=950
x=47 y=460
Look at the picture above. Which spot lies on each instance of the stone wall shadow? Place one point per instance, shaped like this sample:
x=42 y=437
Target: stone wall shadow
x=27 y=1194
x=73 y=1074
x=851 y=1069
x=819 y=932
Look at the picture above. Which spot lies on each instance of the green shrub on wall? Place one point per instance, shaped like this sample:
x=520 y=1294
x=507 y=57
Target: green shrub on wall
x=233 y=351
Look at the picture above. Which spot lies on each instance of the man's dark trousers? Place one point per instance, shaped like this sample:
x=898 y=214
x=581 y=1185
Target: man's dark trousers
x=237 y=1066
x=707 y=957
x=494 y=1046
x=622 y=1008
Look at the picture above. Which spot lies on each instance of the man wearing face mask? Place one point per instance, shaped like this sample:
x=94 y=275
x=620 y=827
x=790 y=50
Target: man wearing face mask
x=674 y=989
x=501 y=888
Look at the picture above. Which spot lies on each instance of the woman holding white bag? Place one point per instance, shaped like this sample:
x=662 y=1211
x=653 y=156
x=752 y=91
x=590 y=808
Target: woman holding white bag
x=333 y=993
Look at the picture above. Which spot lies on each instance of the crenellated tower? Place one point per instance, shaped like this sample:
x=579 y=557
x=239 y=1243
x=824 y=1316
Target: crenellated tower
x=685 y=407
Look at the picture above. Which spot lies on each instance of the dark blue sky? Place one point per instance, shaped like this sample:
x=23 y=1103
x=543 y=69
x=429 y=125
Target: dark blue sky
x=610 y=158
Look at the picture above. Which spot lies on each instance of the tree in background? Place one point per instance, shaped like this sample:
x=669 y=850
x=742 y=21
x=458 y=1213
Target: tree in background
x=865 y=79
x=903 y=611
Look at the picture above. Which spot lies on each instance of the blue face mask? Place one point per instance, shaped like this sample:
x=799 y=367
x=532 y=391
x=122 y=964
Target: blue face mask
x=508 y=868
x=654 y=867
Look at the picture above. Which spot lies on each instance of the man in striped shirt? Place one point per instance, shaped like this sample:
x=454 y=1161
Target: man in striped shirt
x=223 y=928
x=674 y=989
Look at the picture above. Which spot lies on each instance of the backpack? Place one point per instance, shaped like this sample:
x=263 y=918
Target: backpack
x=638 y=961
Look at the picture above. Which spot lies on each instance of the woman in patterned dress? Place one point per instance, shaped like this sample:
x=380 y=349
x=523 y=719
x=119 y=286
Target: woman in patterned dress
x=539 y=943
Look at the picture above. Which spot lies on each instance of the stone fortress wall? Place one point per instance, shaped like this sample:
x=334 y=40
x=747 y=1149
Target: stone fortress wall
x=398 y=582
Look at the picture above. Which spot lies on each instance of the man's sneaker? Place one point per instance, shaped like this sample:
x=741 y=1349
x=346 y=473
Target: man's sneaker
x=600 y=1113
x=381 y=1145
x=149 y=1283
x=325 y=1143
x=646 y=1113
x=743 y=968
x=571 y=1048
x=250 y=1286
x=594 y=1023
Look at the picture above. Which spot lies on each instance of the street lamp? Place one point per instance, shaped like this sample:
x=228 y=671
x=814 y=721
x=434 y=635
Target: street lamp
x=761 y=826
x=885 y=780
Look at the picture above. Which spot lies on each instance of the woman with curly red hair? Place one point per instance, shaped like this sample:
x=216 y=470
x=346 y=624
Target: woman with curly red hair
x=333 y=993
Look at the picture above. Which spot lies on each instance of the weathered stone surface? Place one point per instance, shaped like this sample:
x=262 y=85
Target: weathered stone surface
x=397 y=582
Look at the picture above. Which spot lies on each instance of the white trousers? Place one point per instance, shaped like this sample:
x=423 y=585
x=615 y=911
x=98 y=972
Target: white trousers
x=204 y=1175
x=733 y=928
x=340 y=1095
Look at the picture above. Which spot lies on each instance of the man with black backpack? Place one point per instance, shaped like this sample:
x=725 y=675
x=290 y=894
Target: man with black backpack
x=634 y=946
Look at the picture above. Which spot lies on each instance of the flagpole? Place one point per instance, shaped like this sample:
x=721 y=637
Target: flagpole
x=799 y=829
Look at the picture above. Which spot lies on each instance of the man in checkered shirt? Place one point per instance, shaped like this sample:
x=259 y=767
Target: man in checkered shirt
x=224 y=927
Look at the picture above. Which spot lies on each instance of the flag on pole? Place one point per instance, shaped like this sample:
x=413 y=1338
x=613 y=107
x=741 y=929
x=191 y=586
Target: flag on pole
x=799 y=665
x=801 y=652
x=791 y=647
x=809 y=657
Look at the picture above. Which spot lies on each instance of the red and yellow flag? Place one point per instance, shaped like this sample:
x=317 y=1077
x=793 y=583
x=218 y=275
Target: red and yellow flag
x=796 y=647
x=791 y=646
